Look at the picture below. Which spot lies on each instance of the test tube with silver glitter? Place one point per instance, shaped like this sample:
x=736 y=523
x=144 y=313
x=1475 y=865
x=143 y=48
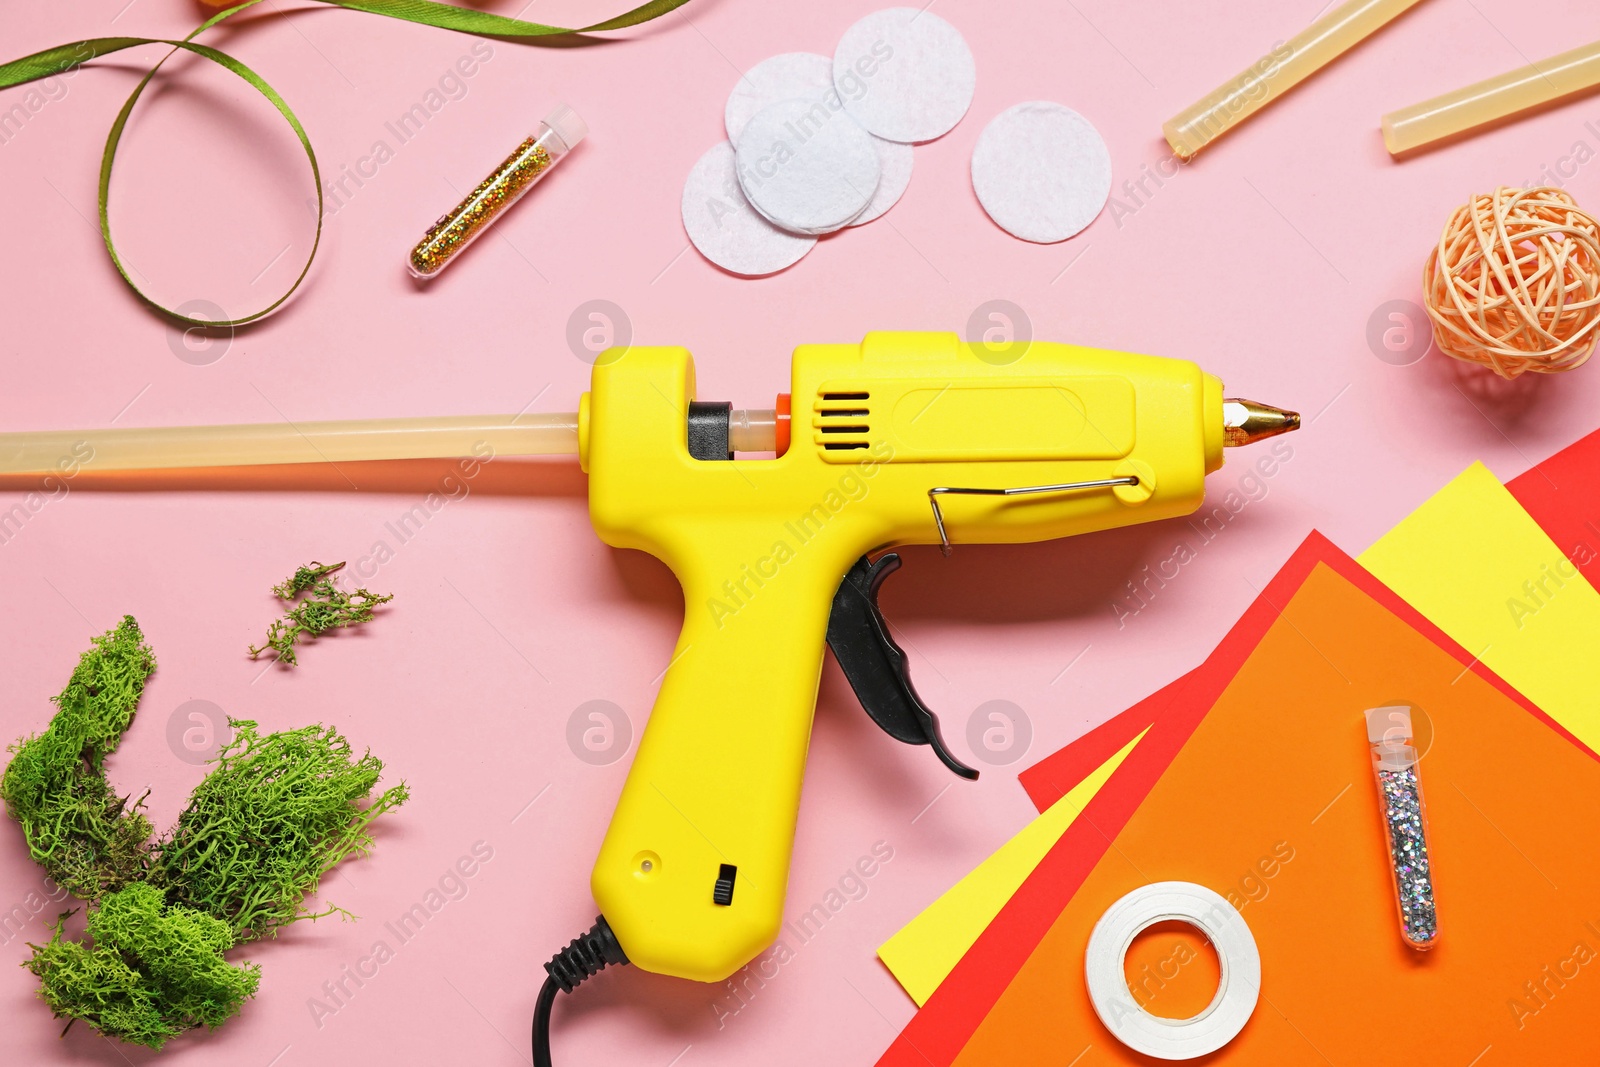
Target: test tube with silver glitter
x=1405 y=821
x=557 y=135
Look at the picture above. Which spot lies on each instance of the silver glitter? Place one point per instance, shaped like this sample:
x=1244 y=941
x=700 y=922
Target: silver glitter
x=1406 y=823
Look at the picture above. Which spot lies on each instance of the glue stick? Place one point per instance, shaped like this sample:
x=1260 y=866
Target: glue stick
x=557 y=135
x=1405 y=821
x=1284 y=67
x=1492 y=99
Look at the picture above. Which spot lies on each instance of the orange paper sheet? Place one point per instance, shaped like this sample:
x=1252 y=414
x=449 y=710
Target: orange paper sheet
x=1280 y=765
x=938 y=1033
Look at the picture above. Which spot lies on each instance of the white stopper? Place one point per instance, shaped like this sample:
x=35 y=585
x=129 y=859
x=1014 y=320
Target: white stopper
x=1392 y=723
x=568 y=125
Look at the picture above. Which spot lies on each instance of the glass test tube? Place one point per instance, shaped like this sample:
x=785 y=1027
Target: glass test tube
x=557 y=135
x=1405 y=820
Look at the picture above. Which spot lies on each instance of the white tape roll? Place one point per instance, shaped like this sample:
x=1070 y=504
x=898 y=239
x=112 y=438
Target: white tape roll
x=1240 y=985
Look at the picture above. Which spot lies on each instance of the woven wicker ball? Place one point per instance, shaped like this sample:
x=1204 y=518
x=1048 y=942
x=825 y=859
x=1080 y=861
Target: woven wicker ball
x=1514 y=284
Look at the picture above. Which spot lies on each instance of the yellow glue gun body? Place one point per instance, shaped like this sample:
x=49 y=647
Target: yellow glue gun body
x=887 y=437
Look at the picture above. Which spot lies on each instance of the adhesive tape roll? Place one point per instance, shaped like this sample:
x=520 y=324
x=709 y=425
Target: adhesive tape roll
x=1237 y=989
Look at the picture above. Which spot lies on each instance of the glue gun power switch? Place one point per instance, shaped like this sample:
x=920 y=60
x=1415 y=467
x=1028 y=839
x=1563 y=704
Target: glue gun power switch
x=906 y=438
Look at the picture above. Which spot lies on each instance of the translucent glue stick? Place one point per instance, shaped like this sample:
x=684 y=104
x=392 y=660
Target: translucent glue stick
x=1492 y=99
x=1405 y=821
x=557 y=135
x=1280 y=70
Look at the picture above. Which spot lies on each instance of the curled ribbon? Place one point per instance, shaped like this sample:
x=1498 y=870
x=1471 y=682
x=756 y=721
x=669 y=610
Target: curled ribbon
x=66 y=57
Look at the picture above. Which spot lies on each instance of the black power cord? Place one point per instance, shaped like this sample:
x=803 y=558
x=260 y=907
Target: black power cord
x=585 y=957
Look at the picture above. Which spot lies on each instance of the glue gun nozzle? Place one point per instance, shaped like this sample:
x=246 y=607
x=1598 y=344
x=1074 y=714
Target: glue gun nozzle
x=1245 y=422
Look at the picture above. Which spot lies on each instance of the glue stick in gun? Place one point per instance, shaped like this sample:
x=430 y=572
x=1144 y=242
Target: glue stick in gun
x=906 y=438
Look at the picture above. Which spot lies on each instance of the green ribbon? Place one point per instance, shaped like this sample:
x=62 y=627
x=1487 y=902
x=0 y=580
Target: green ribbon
x=65 y=57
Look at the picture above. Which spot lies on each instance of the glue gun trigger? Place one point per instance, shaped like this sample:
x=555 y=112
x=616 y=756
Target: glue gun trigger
x=876 y=666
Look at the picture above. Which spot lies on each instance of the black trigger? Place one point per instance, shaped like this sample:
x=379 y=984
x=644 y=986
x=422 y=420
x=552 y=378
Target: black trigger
x=876 y=666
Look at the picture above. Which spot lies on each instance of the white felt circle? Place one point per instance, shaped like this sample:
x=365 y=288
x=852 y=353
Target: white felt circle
x=1041 y=171
x=725 y=228
x=894 y=174
x=806 y=165
x=906 y=75
x=790 y=76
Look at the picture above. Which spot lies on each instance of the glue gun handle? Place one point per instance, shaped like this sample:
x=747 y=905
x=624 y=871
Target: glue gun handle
x=693 y=869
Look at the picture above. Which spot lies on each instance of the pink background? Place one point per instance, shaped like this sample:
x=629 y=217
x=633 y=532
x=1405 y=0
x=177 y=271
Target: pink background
x=1264 y=261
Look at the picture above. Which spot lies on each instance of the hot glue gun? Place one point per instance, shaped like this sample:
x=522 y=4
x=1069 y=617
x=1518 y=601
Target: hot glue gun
x=777 y=523
x=906 y=438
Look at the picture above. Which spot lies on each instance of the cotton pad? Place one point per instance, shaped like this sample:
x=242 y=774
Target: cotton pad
x=790 y=76
x=894 y=174
x=806 y=165
x=724 y=227
x=905 y=75
x=1041 y=171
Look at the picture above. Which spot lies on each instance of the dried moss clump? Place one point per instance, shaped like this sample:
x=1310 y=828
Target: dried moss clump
x=323 y=607
x=88 y=839
x=153 y=971
x=275 y=814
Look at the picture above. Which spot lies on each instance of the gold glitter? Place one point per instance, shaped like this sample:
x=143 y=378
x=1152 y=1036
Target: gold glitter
x=466 y=220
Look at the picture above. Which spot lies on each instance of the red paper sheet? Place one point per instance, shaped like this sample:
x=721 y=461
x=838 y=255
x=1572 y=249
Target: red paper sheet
x=1054 y=776
x=1563 y=496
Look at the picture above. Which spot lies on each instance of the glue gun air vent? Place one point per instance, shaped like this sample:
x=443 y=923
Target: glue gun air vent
x=842 y=420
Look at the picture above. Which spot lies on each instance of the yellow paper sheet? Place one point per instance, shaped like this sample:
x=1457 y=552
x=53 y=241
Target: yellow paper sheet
x=1476 y=564
x=928 y=947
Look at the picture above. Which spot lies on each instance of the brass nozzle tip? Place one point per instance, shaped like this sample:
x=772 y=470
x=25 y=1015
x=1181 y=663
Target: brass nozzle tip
x=1245 y=422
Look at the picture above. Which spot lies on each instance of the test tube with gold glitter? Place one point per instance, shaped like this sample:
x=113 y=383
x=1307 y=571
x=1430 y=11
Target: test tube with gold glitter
x=557 y=135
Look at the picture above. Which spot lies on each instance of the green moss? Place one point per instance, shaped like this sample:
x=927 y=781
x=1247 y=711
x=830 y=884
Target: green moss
x=270 y=819
x=88 y=839
x=325 y=607
x=146 y=972
x=274 y=816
